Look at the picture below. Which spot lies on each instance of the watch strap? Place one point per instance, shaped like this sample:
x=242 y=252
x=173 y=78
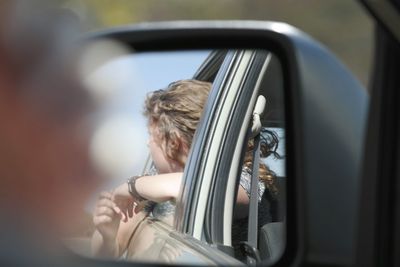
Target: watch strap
x=132 y=188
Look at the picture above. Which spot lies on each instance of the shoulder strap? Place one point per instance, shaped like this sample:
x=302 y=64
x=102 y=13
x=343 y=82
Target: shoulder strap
x=250 y=247
x=252 y=234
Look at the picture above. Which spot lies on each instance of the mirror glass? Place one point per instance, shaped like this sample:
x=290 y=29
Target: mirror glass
x=151 y=108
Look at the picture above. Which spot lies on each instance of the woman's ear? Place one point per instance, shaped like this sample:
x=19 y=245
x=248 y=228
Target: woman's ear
x=172 y=145
x=184 y=147
x=175 y=140
x=178 y=147
x=183 y=151
x=181 y=144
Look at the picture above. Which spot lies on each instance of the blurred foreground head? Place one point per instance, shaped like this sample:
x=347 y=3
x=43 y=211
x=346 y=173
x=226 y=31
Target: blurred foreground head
x=45 y=170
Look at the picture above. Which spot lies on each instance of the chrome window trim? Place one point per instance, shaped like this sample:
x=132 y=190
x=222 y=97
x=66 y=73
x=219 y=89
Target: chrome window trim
x=184 y=216
x=217 y=130
x=236 y=161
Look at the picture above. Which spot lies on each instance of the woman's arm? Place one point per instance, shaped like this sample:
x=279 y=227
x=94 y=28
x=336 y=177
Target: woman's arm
x=242 y=204
x=163 y=187
x=156 y=188
x=159 y=188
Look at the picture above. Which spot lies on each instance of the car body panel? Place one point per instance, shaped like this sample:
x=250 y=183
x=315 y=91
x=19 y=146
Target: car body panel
x=156 y=241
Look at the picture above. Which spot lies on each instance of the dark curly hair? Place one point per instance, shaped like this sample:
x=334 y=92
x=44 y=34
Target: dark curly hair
x=269 y=142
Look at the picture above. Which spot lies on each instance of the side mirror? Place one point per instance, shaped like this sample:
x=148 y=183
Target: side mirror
x=323 y=113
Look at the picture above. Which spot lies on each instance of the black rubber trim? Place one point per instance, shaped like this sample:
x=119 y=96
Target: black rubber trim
x=210 y=67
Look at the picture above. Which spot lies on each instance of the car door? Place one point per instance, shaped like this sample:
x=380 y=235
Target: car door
x=222 y=228
x=378 y=231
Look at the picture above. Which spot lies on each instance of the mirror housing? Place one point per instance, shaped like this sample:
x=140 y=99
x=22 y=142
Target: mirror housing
x=325 y=110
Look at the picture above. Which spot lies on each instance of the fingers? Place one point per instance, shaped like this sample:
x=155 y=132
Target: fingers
x=105 y=195
x=105 y=207
x=109 y=211
x=105 y=203
x=130 y=209
x=140 y=206
x=124 y=217
x=108 y=205
x=99 y=220
x=107 y=214
x=106 y=200
x=117 y=210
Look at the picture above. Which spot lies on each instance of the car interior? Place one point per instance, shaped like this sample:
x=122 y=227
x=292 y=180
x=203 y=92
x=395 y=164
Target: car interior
x=271 y=234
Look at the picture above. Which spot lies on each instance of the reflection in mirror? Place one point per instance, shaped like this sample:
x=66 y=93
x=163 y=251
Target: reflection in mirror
x=151 y=106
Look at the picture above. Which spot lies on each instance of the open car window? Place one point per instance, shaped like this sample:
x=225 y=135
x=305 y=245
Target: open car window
x=120 y=143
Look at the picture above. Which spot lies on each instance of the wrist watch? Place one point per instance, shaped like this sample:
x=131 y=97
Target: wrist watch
x=132 y=188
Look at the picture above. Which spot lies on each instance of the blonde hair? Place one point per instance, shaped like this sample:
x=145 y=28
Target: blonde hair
x=176 y=111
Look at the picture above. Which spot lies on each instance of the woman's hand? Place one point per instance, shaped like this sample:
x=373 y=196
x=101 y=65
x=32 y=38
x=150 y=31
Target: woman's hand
x=110 y=211
x=107 y=217
x=125 y=202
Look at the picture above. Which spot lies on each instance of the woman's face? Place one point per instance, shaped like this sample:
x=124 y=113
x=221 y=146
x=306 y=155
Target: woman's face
x=156 y=147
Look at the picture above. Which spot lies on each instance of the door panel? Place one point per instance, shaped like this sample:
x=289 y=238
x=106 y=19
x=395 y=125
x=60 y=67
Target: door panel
x=156 y=241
